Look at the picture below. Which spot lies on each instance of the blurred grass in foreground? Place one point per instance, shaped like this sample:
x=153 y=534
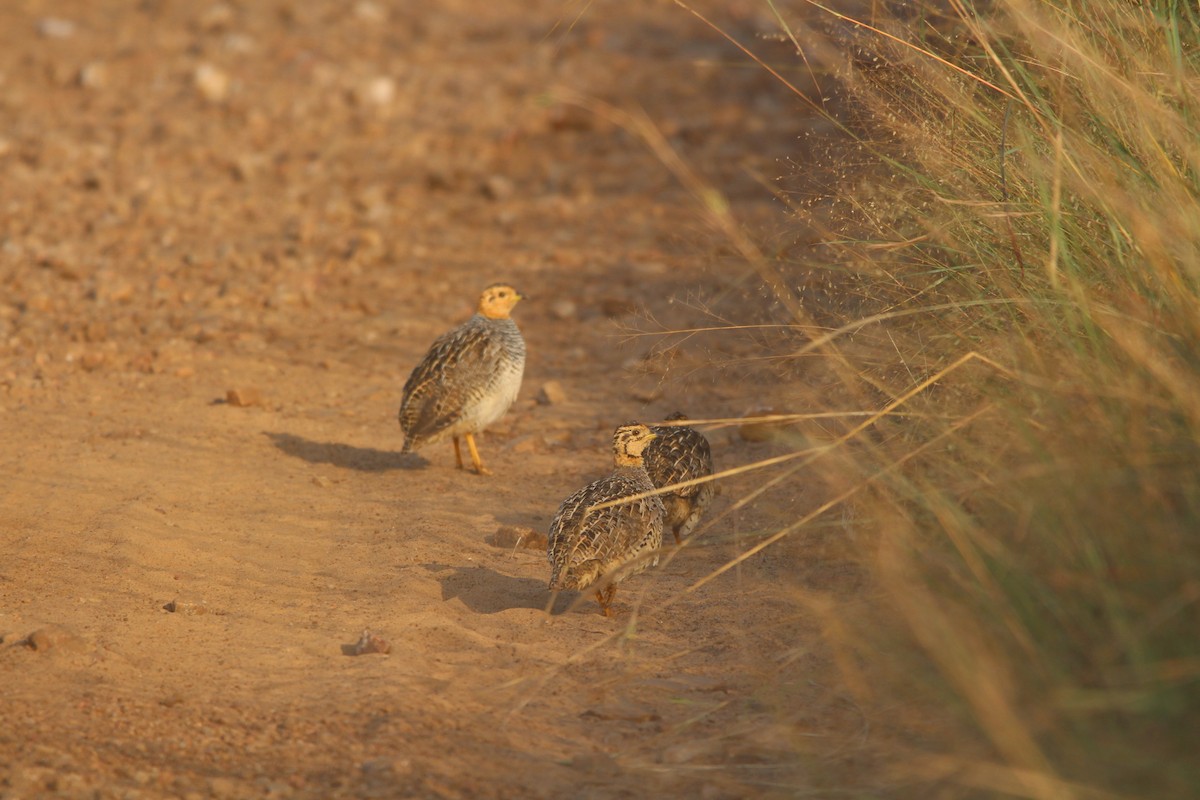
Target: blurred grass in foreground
x=1034 y=623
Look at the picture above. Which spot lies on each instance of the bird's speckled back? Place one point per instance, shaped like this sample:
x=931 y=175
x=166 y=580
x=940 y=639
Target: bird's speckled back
x=678 y=454
x=468 y=380
x=588 y=543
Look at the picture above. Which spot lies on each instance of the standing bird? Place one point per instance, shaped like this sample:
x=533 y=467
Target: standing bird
x=467 y=380
x=678 y=454
x=604 y=546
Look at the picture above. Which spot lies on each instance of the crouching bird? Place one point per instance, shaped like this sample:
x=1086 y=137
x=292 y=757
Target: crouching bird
x=468 y=379
x=597 y=548
x=680 y=453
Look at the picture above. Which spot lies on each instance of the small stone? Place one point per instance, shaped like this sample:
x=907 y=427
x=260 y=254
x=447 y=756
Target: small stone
x=217 y=17
x=498 y=188
x=39 y=302
x=56 y=28
x=211 y=82
x=367 y=643
x=552 y=393
x=564 y=309
x=321 y=481
x=244 y=398
x=54 y=637
x=379 y=91
x=246 y=166
x=95 y=331
x=92 y=361
x=186 y=607
x=93 y=75
x=185 y=372
x=121 y=294
x=235 y=42
x=368 y=11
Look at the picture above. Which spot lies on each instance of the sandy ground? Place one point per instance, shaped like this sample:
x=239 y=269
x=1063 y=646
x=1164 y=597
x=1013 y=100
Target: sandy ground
x=291 y=200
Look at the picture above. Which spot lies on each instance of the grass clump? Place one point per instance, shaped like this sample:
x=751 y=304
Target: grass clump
x=1036 y=212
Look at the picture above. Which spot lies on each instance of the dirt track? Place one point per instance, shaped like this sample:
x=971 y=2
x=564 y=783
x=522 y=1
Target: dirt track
x=293 y=199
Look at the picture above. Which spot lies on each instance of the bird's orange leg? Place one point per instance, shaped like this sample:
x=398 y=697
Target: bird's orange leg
x=605 y=598
x=457 y=454
x=475 y=460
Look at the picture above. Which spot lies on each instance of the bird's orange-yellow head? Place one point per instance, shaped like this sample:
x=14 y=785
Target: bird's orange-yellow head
x=497 y=300
x=629 y=441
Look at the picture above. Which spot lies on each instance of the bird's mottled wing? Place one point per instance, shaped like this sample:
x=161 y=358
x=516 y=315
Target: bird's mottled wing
x=439 y=386
x=607 y=534
x=679 y=454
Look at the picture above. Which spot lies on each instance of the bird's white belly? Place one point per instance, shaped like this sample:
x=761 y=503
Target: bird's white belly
x=495 y=403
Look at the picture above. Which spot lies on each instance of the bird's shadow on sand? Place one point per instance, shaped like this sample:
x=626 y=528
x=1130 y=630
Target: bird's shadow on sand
x=346 y=456
x=486 y=591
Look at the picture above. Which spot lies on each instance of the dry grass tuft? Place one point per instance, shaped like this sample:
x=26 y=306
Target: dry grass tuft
x=1030 y=231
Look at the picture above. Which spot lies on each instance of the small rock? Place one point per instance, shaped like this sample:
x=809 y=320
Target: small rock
x=438 y=179
x=95 y=331
x=56 y=28
x=39 y=302
x=498 y=188
x=367 y=643
x=240 y=43
x=244 y=398
x=216 y=18
x=185 y=372
x=564 y=309
x=186 y=607
x=121 y=294
x=552 y=393
x=514 y=536
x=211 y=82
x=368 y=11
x=54 y=637
x=93 y=75
x=92 y=361
x=322 y=481
x=379 y=91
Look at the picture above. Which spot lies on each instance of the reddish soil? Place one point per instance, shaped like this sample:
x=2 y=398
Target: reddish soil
x=290 y=200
